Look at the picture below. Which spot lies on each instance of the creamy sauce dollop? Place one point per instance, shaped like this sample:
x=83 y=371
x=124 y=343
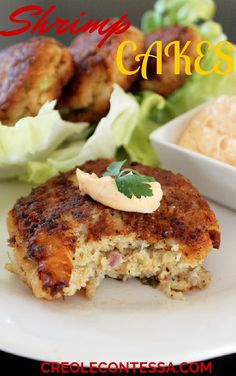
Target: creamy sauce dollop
x=104 y=190
x=212 y=131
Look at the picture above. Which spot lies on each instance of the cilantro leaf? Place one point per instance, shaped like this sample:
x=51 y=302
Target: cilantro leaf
x=136 y=185
x=114 y=168
x=130 y=182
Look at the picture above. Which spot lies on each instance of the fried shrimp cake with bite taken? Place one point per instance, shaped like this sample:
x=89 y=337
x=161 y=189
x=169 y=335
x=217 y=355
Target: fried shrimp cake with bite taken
x=31 y=74
x=87 y=96
x=64 y=241
x=167 y=82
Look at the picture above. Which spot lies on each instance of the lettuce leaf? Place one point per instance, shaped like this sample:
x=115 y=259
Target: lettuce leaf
x=35 y=139
x=199 y=89
x=40 y=147
x=112 y=132
x=138 y=147
x=61 y=160
x=182 y=12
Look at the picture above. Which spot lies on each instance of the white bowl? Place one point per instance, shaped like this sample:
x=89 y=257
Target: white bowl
x=214 y=179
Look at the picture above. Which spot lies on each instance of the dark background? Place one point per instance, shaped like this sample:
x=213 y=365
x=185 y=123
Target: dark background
x=70 y=9
x=102 y=9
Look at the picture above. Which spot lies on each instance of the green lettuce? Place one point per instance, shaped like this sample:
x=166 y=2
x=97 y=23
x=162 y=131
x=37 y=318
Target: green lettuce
x=40 y=147
x=198 y=89
x=138 y=147
x=180 y=12
x=126 y=127
x=34 y=139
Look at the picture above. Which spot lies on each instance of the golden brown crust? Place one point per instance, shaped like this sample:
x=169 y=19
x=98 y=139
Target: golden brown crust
x=31 y=74
x=87 y=96
x=44 y=225
x=168 y=82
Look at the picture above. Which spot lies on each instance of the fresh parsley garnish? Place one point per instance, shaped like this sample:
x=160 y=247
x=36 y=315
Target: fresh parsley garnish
x=130 y=182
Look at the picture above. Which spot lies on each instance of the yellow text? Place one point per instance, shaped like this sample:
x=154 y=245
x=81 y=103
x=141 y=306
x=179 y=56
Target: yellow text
x=223 y=64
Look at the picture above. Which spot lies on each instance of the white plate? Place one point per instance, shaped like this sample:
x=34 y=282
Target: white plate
x=214 y=179
x=125 y=321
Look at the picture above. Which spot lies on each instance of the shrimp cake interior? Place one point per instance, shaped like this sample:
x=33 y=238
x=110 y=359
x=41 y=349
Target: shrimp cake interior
x=64 y=241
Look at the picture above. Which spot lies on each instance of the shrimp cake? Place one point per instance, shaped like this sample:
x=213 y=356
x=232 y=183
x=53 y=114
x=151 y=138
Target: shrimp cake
x=65 y=242
x=31 y=74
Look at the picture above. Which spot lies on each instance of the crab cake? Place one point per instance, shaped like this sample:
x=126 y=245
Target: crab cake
x=31 y=74
x=168 y=81
x=87 y=97
x=65 y=241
